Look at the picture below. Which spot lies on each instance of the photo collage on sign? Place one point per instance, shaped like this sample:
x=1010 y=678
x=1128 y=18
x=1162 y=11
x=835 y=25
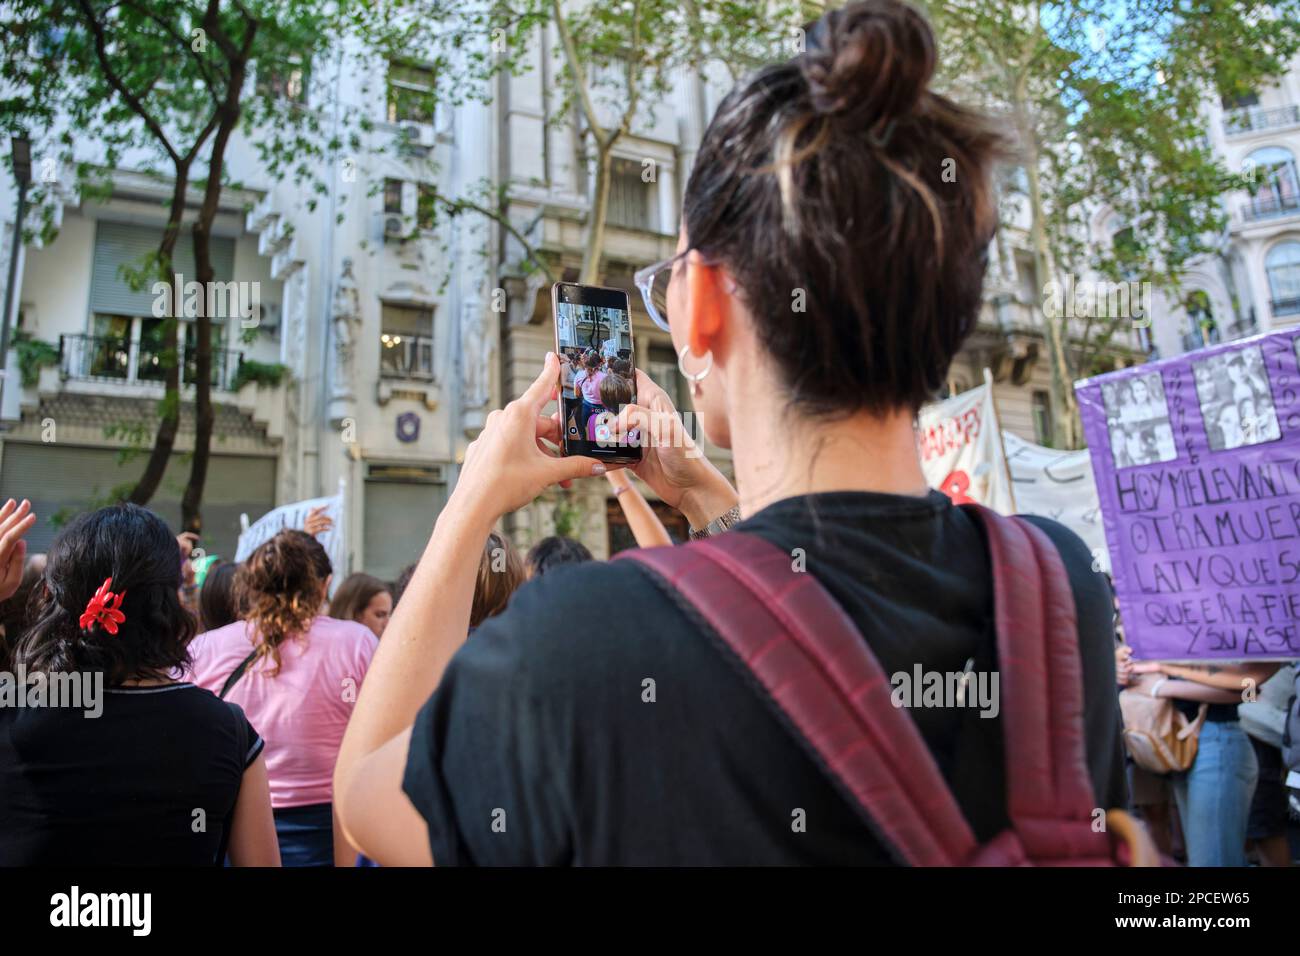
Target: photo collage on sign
x=1235 y=398
x=1137 y=420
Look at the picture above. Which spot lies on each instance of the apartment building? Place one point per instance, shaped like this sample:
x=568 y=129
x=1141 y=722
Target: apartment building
x=382 y=333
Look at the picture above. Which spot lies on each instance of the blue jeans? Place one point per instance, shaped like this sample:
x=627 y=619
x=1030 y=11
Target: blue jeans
x=1214 y=796
x=306 y=835
x=588 y=409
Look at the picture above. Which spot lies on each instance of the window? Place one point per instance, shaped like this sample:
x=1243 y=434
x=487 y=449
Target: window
x=1283 y=267
x=1026 y=277
x=287 y=80
x=1015 y=180
x=629 y=196
x=393 y=196
x=1201 y=327
x=426 y=206
x=410 y=92
x=1042 y=412
x=406 y=342
x=108 y=352
x=1238 y=102
x=1273 y=169
x=661 y=365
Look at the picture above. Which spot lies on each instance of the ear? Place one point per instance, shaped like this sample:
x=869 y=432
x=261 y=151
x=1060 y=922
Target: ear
x=709 y=303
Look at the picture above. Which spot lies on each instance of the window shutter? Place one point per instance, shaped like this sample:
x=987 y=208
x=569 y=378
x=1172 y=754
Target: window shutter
x=120 y=244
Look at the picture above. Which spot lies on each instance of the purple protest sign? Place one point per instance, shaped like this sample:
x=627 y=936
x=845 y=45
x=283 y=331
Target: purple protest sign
x=1197 y=462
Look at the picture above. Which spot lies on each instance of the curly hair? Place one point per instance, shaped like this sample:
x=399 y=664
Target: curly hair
x=136 y=549
x=280 y=589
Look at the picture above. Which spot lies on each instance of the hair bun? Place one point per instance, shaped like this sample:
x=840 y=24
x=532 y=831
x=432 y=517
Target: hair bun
x=869 y=63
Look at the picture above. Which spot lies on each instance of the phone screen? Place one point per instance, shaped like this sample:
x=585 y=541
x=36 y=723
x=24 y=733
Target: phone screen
x=593 y=337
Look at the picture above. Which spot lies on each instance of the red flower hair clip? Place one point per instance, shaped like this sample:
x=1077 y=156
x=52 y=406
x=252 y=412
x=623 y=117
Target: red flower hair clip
x=104 y=609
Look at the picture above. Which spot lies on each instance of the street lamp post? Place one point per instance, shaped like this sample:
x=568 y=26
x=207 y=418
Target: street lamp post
x=22 y=161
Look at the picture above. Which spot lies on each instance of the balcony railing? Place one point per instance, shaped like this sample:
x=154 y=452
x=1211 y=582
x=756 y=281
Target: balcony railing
x=403 y=355
x=1252 y=119
x=107 y=358
x=1270 y=207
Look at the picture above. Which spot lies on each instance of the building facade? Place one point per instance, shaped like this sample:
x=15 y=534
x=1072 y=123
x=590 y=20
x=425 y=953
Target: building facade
x=1252 y=282
x=374 y=335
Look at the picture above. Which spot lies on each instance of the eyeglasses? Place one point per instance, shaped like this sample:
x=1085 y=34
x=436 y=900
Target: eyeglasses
x=653 y=281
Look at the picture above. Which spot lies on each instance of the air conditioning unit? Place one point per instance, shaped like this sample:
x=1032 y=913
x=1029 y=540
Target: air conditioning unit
x=419 y=137
x=395 y=226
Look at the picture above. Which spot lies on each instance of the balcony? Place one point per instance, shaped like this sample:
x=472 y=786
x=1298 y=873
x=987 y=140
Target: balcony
x=1253 y=119
x=406 y=356
x=113 y=359
x=1271 y=206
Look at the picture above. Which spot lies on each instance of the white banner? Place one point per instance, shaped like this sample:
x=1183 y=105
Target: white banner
x=961 y=450
x=1058 y=485
x=294 y=516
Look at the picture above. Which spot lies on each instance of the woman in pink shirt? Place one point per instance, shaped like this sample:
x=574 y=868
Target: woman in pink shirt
x=296 y=674
x=589 y=388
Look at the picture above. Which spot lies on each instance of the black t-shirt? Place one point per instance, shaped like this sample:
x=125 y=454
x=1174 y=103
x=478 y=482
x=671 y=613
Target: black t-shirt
x=539 y=748
x=151 y=781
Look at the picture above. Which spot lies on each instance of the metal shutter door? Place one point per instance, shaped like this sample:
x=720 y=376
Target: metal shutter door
x=66 y=480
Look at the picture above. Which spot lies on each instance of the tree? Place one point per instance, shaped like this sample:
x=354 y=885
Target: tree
x=171 y=81
x=1106 y=102
x=615 y=61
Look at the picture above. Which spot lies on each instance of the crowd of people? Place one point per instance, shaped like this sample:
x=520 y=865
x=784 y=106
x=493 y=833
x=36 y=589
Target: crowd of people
x=192 y=665
x=551 y=708
x=596 y=385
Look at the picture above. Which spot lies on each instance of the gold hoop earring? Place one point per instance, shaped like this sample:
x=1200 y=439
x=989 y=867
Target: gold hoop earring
x=696 y=377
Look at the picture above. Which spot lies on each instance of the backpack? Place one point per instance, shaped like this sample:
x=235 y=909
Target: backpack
x=1157 y=735
x=825 y=684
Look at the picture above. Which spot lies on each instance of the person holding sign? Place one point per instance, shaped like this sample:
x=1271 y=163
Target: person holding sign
x=1214 y=794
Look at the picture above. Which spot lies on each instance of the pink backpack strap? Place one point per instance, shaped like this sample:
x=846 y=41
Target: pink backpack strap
x=808 y=656
x=1050 y=799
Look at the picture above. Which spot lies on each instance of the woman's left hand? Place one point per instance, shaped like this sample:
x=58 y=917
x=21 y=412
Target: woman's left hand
x=508 y=466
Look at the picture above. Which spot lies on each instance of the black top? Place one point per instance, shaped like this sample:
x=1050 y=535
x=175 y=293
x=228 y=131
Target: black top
x=540 y=748
x=126 y=787
x=1214 y=713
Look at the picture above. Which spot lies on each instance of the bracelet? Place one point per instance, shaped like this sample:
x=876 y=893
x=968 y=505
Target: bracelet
x=618 y=491
x=718 y=525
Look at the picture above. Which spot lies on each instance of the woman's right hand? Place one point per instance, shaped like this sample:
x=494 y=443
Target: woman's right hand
x=671 y=463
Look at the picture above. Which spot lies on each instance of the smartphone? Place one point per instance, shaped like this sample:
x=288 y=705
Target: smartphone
x=593 y=337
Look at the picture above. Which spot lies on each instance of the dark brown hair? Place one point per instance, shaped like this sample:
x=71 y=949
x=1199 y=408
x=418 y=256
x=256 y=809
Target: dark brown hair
x=18 y=611
x=217 y=604
x=280 y=588
x=136 y=549
x=354 y=594
x=839 y=182
x=500 y=572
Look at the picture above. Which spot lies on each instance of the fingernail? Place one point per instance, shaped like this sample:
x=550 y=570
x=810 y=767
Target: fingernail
x=597 y=469
x=549 y=356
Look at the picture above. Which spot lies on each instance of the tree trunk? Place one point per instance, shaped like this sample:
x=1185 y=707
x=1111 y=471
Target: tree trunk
x=165 y=437
x=595 y=247
x=204 y=416
x=1056 y=330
